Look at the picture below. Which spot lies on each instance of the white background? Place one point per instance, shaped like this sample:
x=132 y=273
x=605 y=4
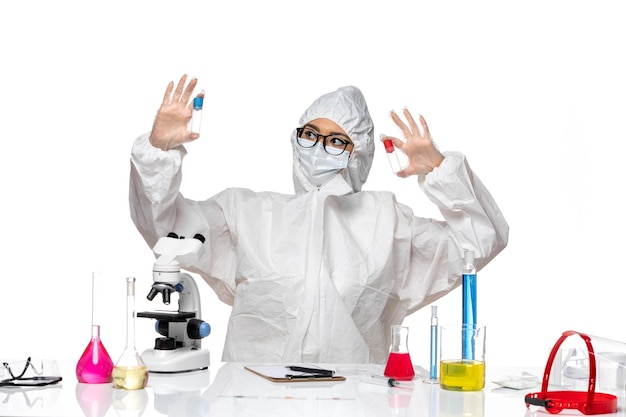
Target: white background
x=533 y=92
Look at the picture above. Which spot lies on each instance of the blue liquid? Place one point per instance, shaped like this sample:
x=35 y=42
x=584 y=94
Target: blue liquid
x=469 y=315
x=433 y=352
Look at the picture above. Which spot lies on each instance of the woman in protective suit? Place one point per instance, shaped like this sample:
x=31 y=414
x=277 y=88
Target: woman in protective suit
x=320 y=275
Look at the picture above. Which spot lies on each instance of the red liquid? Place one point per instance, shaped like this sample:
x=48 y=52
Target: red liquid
x=399 y=366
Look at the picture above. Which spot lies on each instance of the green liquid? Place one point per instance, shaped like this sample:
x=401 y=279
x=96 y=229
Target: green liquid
x=462 y=375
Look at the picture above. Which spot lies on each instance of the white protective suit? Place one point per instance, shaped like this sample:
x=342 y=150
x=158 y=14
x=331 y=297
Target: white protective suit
x=320 y=276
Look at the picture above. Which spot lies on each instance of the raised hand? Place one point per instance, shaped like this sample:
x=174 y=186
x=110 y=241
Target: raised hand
x=170 y=127
x=418 y=146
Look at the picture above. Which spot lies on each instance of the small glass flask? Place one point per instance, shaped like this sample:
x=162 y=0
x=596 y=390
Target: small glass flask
x=130 y=372
x=399 y=365
x=95 y=364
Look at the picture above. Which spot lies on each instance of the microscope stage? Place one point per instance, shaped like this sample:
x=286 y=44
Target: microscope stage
x=163 y=315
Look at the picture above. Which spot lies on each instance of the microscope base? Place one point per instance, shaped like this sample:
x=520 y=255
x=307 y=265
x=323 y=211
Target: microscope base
x=183 y=359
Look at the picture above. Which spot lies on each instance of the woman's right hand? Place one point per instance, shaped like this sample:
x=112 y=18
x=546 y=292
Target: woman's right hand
x=170 y=127
x=422 y=153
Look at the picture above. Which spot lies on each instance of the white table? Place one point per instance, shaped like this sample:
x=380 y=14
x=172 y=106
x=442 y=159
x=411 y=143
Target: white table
x=226 y=389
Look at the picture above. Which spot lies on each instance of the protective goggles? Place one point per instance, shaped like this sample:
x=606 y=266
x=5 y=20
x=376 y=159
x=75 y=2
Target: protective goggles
x=19 y=377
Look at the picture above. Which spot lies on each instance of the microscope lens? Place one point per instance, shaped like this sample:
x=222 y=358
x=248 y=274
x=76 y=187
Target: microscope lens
x=152 y=294
x=166 y=296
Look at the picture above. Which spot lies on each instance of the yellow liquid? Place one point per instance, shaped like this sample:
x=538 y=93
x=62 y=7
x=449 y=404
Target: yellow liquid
x=130 y=378
x=462 y=375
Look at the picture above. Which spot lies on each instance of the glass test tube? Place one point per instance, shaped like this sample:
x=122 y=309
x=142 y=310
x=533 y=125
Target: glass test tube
x=469 y=305
x=392 y=155
x=434 y=339
x=196 y=117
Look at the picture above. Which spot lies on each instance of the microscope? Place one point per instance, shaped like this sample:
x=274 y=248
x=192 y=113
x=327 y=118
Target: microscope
x=179 y=350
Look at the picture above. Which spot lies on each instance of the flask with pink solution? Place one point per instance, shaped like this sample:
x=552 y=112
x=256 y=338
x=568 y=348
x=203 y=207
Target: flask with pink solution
x=95 y=365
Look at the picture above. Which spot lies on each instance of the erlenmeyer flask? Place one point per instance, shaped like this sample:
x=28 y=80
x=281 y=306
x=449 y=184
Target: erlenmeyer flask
x=130 y=372
x=399 y=365
x=95 y=364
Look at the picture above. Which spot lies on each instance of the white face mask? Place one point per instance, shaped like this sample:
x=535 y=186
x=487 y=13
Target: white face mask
x=318 y=165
